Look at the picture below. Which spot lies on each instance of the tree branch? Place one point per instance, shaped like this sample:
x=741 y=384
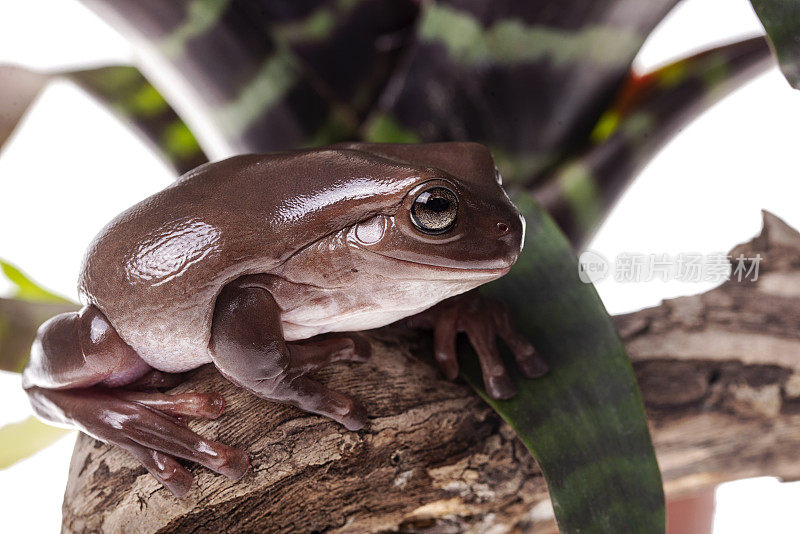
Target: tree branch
x=720 y=374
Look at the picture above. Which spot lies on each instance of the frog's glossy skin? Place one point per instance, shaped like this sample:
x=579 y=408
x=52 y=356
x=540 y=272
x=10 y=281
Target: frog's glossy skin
x=240 y=260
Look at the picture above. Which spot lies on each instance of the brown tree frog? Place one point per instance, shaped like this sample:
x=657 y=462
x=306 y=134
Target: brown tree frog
x=250 y=263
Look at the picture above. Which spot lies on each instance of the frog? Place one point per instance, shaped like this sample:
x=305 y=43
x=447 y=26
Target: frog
x=269 y=267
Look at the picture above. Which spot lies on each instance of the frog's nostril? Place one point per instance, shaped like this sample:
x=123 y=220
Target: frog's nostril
x=502 y=227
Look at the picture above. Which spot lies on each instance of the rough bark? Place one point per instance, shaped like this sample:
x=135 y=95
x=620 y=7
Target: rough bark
x=720 y=374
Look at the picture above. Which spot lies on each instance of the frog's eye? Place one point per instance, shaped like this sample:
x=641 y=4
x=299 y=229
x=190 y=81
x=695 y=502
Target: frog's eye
x=434 y=210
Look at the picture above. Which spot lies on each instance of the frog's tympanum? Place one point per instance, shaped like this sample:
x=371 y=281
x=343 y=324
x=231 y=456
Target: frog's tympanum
x=252 y=263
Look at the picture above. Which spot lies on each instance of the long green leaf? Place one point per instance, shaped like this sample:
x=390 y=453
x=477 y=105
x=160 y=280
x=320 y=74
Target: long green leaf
x=21 y=316
x=19 y=320
x=650 y=109
x=781 y=20
x=25 y=288
x=584 y=421
x=26 y=438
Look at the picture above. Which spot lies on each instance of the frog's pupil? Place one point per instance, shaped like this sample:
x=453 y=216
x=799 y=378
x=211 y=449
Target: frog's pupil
x=437 y=204
x=434 y=211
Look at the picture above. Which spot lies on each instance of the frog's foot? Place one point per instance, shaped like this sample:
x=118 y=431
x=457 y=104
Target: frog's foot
x=248 y=347
x=308 y=394
x=149 y=426
x=482 y=319
x=311 y=396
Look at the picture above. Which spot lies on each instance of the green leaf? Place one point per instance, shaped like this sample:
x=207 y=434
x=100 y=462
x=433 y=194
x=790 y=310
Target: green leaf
x=138 y=104
x=21 y=316
x=584 y=421
x=19 y=320
x=26 y=438
x=781 y=20
x=27 y=289
x=651 y=108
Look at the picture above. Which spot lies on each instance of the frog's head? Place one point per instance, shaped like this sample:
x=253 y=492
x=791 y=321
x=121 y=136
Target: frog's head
x=454 y=221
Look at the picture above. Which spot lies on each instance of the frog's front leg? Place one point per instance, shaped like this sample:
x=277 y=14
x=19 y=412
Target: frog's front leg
x=82 y=374
x=248 y=347
x=483 y=320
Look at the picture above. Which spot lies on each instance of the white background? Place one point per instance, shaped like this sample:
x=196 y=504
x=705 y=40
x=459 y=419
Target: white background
x=71 y=167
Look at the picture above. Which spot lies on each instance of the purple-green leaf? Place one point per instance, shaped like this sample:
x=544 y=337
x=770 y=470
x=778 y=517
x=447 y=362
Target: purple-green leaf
x=21 y=316
x=781 y=20
x=584 y=421
x=124 y=90
x=651 y=108
x=19 y=320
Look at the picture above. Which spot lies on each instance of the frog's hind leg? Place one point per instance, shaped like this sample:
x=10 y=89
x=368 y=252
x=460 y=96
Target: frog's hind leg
x=82 y=374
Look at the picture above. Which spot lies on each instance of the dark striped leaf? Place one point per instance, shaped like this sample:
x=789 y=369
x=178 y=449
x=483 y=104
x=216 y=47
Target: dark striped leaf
x=781 y=20
x=649 y=110
x=19 y=320
x=584 y=421
x=134 y=100
x=269 y=75
x=124 y=90
x=21 y=316
x=527 y=78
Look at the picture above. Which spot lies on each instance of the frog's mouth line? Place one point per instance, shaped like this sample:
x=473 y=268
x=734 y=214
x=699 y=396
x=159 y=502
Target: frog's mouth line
x=461 y=271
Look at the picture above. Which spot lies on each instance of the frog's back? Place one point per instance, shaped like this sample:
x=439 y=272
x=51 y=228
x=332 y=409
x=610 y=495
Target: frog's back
x=155 y=271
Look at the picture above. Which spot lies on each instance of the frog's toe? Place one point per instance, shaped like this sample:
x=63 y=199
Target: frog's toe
x=311 y=396
x=307 y=356
x=482 y=336
x=148 y=425
x=206 y=405
x=444 y=343
x=164 y=468
x=530 y=362
x=158 y=432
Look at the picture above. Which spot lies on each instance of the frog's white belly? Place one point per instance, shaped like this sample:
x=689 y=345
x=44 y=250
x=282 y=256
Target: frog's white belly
x=347 y=323
x=353 y=310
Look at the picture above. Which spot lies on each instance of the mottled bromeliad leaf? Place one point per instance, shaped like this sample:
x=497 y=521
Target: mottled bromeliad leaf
x=527 y=78
x=19 y=320
x=25 y=288
x=581 y=191
x=269 y=75
x=134 y=100
x=584 y=421
x=25 y=438
x=781 y=20
x=124 y=90
x=21 y=316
